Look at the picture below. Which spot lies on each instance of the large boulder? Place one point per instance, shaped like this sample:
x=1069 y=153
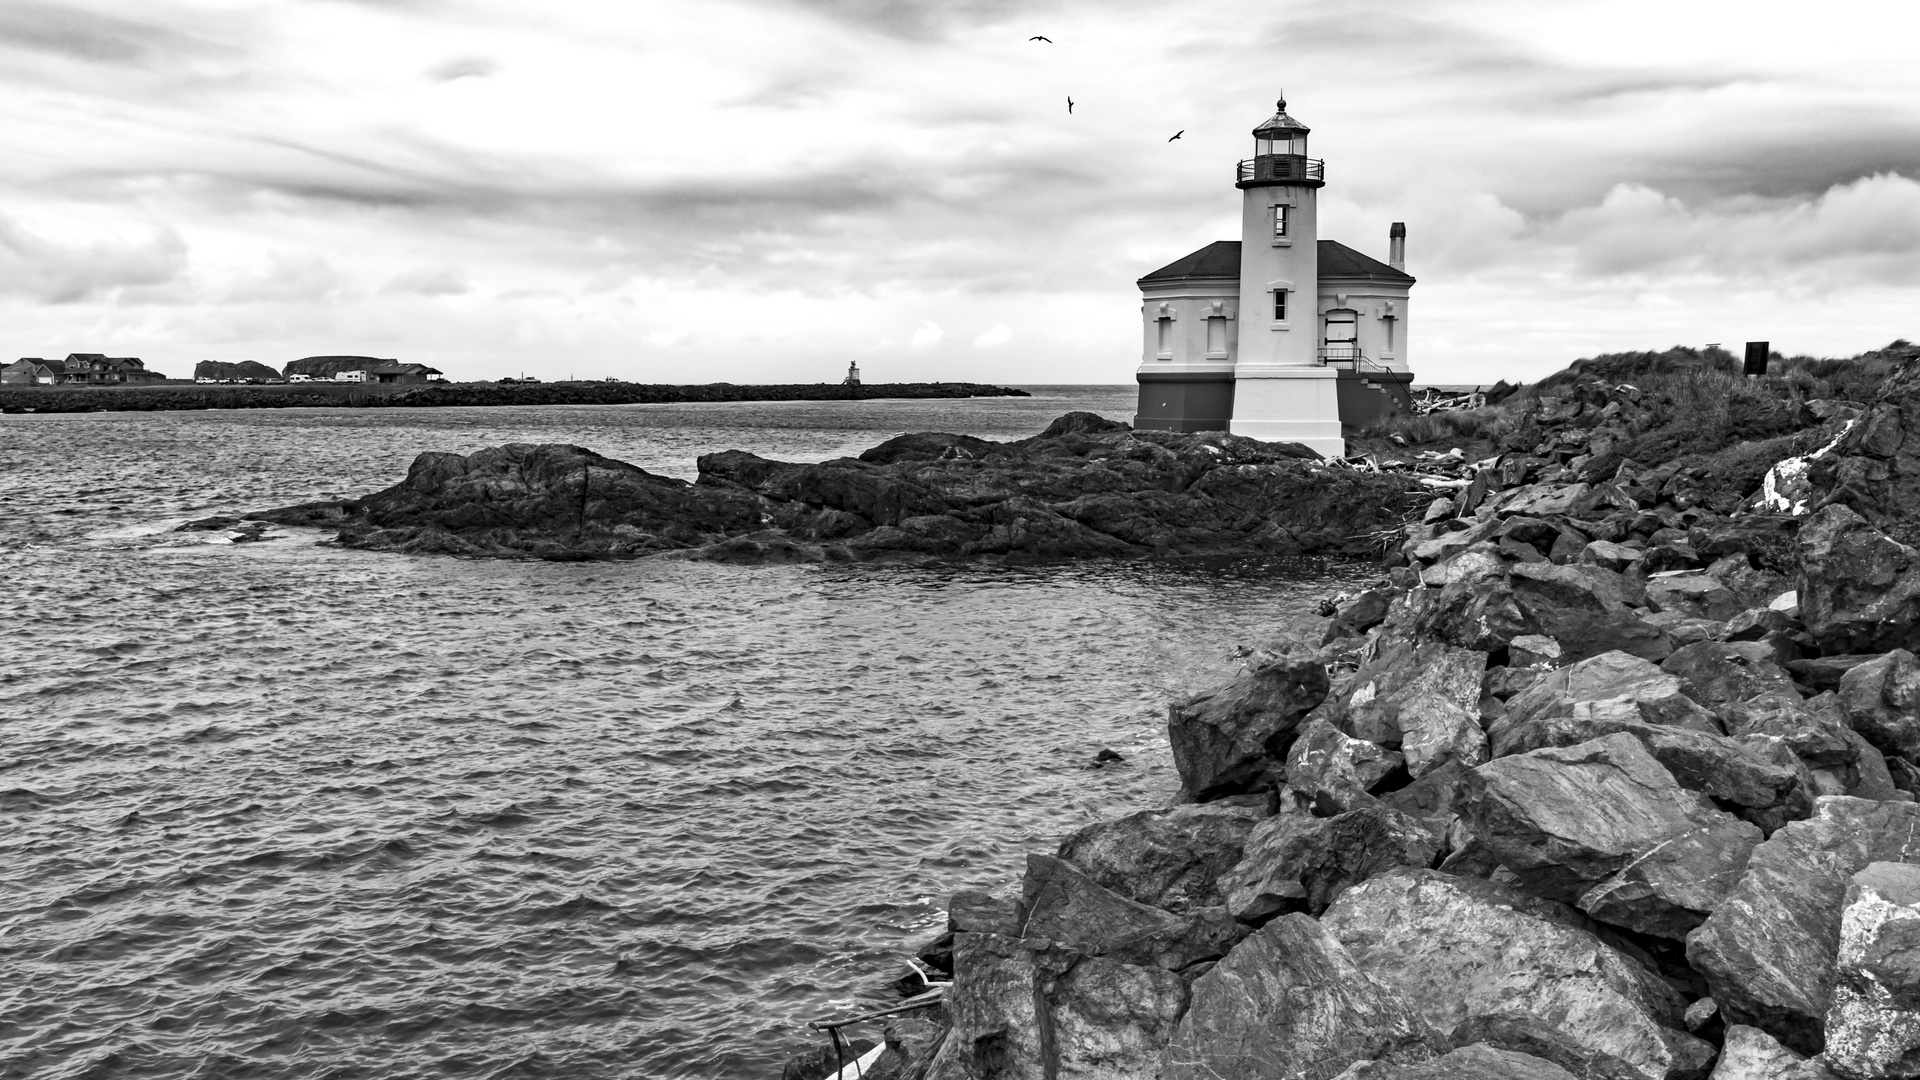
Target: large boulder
x=1473 y=612
x=1543 y=586
x=1067 y=909
x=1107 y=1020
x=1434 y=798
x=1767 y=951
x=1720 y=672
x=1859 y=588
x=1229 y=740
x=1171 y=859
x=1476 y=1062
x=1697 y=595
x=1298 y=863
x=1642 y=690
x=1816 y=730
x=1765 y=540
x=993 y=1013
x=1873 y=1025
x=1422 y=699
x=1764 y=786
x=1751 y=1054
x=1394 y=670
x=1587 y=633
x=1603 y=825
x=1330 y=773
x=1466 y=952
x=1290 y=1002
x=1882 y=699
x=1018 y=1010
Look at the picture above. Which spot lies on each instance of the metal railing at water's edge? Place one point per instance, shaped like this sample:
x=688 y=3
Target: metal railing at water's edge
x=934 y=993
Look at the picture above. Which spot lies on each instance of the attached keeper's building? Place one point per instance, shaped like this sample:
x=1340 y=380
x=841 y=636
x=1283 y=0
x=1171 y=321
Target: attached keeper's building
x=1279 y=335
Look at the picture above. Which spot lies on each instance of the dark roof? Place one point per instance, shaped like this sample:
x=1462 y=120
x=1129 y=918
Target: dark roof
x=394 y=368
x=1220 y=259
x=1280 y=124
x=1339 y=260
x=83 y=356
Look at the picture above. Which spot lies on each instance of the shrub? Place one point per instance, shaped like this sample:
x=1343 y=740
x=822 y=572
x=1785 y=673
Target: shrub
x=1451 y=426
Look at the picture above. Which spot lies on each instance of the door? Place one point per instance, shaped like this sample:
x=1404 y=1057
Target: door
x=1342 y=342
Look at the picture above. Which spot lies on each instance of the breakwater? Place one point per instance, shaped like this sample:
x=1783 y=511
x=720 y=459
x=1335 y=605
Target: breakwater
x=55 y=399
x=1611 y=774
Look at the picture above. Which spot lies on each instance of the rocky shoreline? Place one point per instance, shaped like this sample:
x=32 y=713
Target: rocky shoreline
x=1612 y=776
x=53 y=399
x=1084 y=487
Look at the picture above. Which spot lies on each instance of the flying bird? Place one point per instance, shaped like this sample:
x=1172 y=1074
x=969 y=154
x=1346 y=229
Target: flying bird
x=1177 y=134
x=1069 y=106
x=1038 y=37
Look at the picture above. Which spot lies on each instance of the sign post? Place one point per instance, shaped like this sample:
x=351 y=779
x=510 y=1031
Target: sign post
x=1757 y=358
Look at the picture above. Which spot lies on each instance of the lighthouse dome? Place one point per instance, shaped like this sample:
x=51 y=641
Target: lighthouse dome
x=1280 y=125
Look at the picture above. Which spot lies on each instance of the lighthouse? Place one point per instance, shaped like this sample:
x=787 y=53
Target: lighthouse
x=1279 y=335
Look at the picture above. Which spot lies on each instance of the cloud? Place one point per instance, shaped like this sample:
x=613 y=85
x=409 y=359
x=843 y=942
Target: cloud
x=431 y=281
x=58 y=273
x=926 y=337
x=994 y=337
x=80 y=34
x=921 y=19
x=300 y=277
x=463 y=67
x=857 y=169
x=1864 y=231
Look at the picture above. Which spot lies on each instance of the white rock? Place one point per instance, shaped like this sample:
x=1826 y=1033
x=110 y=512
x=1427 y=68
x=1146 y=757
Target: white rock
x=1873 y=1025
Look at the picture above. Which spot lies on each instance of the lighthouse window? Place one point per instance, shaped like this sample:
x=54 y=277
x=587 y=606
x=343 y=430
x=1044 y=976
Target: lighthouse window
x=1280 y=222
x=1279 y=305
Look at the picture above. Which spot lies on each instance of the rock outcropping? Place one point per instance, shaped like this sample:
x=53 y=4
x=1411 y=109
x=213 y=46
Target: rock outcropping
x=1085 y=487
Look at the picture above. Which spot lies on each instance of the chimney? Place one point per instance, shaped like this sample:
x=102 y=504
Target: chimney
x=1397 y=246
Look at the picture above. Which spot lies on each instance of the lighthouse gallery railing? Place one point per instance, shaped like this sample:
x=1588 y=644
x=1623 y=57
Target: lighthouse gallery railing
x=1282 y=167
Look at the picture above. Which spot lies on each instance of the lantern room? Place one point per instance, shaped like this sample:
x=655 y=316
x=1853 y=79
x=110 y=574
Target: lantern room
x=1280 y=154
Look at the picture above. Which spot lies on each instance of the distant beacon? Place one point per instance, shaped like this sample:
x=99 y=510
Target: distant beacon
x=1278 y=335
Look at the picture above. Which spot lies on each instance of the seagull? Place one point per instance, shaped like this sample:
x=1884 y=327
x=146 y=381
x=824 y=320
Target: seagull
x=1038 y=37
x=1069 y=105
x=1177 y=134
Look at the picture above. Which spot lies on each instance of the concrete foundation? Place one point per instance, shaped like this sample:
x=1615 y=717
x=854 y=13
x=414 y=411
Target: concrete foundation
x=1288 y=404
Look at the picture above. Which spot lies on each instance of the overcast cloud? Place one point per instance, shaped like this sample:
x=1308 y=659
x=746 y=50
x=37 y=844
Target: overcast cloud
x=766 y=190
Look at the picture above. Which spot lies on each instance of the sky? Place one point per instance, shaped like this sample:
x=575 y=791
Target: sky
x=767 y=190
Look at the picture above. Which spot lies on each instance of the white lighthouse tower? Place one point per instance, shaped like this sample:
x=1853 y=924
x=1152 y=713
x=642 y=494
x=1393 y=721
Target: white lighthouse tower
x=1278 y=335
x=1282 y=390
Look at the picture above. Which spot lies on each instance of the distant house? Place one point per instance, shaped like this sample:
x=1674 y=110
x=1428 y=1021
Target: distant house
x=99 y=369
x=299 y=378
x=405 y=373
x=32 y=371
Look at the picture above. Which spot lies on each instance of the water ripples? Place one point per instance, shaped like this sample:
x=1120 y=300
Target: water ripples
x=278 y=810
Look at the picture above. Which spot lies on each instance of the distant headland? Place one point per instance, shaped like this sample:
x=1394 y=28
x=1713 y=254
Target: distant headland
x=329 y=394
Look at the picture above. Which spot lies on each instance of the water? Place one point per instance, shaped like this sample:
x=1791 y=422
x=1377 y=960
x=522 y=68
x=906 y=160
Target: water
x=280 y=810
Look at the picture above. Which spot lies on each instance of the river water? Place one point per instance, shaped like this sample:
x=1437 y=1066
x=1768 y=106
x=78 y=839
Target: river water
x=280 y=810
